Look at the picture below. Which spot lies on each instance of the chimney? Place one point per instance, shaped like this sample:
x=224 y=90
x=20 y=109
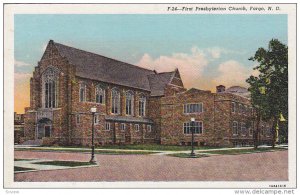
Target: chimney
x=220 y=88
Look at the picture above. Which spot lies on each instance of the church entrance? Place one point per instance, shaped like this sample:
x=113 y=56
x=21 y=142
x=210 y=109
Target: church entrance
x=44 y=128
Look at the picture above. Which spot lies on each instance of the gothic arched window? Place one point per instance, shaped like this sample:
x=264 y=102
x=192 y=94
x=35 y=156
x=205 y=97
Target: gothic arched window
x=129 y=102
x=50 y=88
x=142 y=105
x=100 y=95
x=115 y=101
x=82 y=92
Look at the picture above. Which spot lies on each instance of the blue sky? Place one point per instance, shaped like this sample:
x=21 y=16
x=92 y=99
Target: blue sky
x=204 y=46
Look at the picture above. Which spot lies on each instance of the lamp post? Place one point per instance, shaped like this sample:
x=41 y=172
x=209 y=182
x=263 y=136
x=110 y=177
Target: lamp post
x=193 y=131
x=93 y=111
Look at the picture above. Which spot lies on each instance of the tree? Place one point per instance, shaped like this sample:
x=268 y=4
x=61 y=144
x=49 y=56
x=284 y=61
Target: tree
x=269 y=90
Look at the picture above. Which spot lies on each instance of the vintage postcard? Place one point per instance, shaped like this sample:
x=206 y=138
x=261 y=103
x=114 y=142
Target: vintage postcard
x=150 y=96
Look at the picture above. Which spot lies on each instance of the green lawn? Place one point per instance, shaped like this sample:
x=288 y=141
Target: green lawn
x=65 y=163
x=187 y=155
x=145 y=147
x=244 y=151
x=16 y=168
x=85 y=151
x=23 y=159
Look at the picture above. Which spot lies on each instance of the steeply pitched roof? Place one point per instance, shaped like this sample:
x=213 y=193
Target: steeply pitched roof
x=97 y=67
x=158 y=82
x=93 y=66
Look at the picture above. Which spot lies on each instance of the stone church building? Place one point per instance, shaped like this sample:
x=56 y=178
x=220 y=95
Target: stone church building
x=134 y=105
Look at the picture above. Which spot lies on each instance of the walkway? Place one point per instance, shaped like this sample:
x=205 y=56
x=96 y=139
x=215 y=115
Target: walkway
x=267 y=166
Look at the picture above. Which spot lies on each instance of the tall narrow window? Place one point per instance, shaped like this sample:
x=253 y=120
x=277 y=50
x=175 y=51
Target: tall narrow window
x=137 y=127
x=115 y=101
x=235 y=128
x=96 y=119
x=77 y=119
x=142 y=105
x=243 y=128
x=129 y=102
x=50 y=88
x=82 y=92
x=107 y=126
x=100 y=95
x=123 y=127
x=233 y=107
x=149 y=129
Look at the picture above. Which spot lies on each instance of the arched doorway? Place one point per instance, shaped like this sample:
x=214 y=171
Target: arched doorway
x=44 y=128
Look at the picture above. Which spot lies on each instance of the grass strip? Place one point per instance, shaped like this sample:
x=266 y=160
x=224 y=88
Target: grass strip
x=145 y=147
x=23 y=159
x=187 y=155
x=16 y=168
x=65 y=163
x=244 y=151
x=86 y=151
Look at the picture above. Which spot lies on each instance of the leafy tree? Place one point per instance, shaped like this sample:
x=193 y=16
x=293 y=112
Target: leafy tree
x=269 y=90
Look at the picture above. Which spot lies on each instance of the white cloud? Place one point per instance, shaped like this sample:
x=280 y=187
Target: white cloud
x=215 y=52
x=232 y=73
x=22 y=77
x=44 y=47
x=190 y=64
x=20 y=63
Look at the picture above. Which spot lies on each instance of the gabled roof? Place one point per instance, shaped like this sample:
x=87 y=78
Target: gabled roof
x=195 y=90
x=97 y=67
x=93 y=66
x=159 y=81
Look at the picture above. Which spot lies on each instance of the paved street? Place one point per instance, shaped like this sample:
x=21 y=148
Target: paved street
x=268 y=166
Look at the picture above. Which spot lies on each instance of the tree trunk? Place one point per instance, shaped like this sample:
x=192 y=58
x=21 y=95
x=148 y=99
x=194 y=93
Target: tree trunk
x=274 y=132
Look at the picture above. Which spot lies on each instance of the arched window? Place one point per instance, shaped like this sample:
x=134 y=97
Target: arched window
x=115 y=101
x=82 y=92
x=50 y=88
x=129 y=102
x=142 y=105
x=235 y=128
x=100 y=95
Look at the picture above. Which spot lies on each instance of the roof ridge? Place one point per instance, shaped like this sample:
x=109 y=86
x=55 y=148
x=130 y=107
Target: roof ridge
x=103 y=56
x=166 y=72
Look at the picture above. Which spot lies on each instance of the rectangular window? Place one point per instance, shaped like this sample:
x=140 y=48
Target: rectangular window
x=77 y=118
x=123 y=127
x=96 y=119
x=107 y=126
x=149 y=128
x=137 y=127
x=198 y=127
x=235 y=128
x=193 y=108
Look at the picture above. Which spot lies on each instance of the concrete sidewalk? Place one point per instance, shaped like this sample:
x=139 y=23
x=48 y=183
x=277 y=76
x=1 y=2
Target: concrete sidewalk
x=30 y=164
x=155 y=152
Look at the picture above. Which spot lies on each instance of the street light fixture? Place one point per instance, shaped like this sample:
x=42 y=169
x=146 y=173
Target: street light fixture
x=193 y=131
x=93 y=111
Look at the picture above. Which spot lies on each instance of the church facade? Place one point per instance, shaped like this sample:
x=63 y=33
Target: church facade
x=134 y=105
